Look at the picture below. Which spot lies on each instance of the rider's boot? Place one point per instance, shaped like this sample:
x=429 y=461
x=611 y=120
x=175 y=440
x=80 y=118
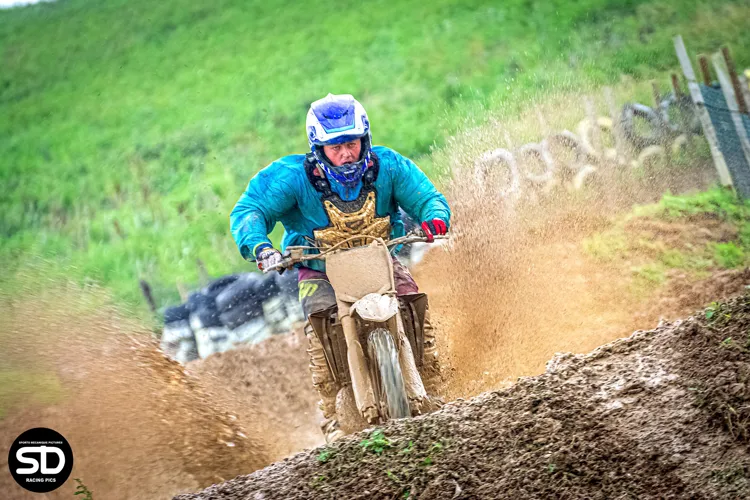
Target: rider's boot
x=324 y=384
x=331 y=431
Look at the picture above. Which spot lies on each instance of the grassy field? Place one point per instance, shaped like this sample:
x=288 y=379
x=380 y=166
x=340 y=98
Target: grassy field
x=653 y=250
x=129 y=128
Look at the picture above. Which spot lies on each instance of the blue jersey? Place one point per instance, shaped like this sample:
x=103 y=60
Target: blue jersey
x=284 y=192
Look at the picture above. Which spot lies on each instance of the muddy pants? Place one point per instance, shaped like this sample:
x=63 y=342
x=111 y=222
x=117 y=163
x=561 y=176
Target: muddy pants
x=316 y=294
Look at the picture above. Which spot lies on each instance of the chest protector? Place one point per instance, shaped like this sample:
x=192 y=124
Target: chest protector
x=348 y=219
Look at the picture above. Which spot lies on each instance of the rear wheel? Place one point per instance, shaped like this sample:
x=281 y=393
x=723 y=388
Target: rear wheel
x=392 y=390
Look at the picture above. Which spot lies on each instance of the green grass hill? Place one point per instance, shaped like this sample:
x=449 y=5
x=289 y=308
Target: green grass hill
x=128 y=128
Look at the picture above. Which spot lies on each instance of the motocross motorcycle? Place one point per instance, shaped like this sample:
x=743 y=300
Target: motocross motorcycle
x=372 y=339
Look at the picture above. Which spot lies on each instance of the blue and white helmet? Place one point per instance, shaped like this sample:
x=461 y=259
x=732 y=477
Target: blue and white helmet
x=336 y=119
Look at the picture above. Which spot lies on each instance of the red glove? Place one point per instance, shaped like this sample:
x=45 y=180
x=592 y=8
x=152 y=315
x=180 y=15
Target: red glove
x=434 y=227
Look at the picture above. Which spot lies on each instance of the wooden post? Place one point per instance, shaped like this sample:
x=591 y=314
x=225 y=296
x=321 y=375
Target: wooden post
x=655 y=94
x=146 y=290
x=596 y=141
x=725 y=80
x=735 y=81
x=745 y=87
x=622 y=153
x=705 y=72
x=700 y=107
x=676 y=88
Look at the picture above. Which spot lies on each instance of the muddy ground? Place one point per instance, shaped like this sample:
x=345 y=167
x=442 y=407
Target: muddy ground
x=663 y=413
x=267 y=384
x=130 y=413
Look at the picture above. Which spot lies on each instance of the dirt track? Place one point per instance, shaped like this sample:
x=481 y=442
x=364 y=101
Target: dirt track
x=131 y=413
x=127 y=411
x=662 y=414
x=267 y=386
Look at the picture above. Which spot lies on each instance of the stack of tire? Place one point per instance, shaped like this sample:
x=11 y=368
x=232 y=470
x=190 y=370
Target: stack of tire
x=572 y=159
x=281 y=307
x=177 y=339
x=240 y=308
x=234 y=309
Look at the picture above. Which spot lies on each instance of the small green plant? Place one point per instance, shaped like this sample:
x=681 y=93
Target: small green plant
x=711 y=310
x=729 y=475
x=427 y=461
x=551 y=468
x=650 y=273
x=606 y=246
x=325 y=455
x=744 y=235
x=716 y=202
x=407 y=449
x=317 y=481
x=393 y=477
x=728 y=255
x=673 y=258
x=716 y=311
x=81 y=489
x=376 y=443
x=727 y=342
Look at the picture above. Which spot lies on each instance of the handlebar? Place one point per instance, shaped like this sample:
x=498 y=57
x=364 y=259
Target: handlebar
x=297 y=256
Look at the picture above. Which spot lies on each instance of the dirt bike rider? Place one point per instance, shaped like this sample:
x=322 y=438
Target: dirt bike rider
x=343 y=187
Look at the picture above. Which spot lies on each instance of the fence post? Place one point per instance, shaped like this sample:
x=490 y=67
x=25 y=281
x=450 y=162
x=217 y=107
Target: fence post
x=745 y=87
x=735 y=81
x=146 y=290
x=676 y=86
x=655 y=94
x=700 y=106
x=705 y=72
x=734 y=105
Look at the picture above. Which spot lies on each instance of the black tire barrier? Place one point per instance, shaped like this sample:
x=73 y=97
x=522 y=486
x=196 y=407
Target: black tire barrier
x=198 y=300
x=287 y=283
x=242 y=290
x=215 y=287
x=656 y=133
x=528 y=154
x=568 y=141
x=584 y=177
x=205 y=317
x=689 y=124
x=485 y=172
x=679 y=144
x=650 y=154
x=241 y=314
x=585 y=132
x=176 y=313
x=267 y=287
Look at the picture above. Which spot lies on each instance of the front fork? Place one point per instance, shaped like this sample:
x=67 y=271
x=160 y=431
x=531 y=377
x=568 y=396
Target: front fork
x=362 y=386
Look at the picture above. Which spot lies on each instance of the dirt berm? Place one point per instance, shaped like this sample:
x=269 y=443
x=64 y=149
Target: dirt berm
x=662 y=414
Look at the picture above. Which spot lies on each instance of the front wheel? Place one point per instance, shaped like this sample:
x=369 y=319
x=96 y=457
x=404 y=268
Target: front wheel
x=392 y=390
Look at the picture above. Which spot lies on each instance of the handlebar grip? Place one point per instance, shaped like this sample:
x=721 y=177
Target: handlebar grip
x=280 y=267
